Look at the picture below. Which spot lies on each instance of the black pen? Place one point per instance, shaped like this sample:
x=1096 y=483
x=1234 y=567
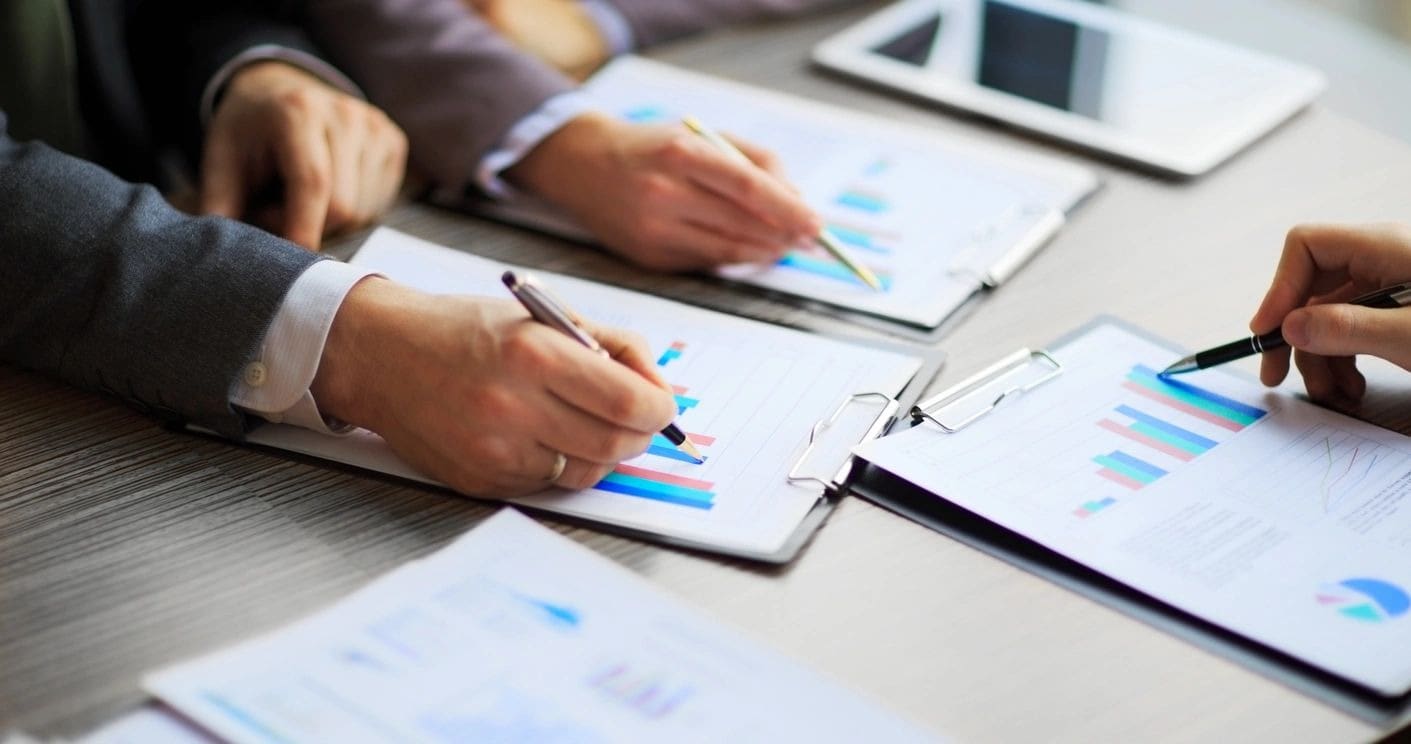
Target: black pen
x=1397 y=295
x=553 y=313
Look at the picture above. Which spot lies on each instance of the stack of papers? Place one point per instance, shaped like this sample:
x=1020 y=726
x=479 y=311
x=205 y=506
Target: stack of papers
x=514 y=634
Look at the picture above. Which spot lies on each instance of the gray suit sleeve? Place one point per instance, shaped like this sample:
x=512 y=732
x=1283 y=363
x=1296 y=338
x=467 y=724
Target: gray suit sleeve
x=106 y=286
x=453 y=83
x=655 y=21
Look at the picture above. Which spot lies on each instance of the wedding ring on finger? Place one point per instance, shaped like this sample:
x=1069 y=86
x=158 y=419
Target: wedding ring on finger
x=560 y=462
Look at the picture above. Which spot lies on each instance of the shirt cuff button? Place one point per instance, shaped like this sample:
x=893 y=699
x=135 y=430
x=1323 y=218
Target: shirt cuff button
x=255 y=374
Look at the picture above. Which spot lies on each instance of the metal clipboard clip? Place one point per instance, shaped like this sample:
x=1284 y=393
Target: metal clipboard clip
x=1000 y=248
x=1013 y=375
x=837 y=482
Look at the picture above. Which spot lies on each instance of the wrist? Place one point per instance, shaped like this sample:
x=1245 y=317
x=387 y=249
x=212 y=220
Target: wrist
x=355 y=357
x=265 y=75
x=551 y=169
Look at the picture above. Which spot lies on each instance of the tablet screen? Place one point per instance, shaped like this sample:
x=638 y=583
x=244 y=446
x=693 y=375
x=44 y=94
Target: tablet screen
x=1155 y=84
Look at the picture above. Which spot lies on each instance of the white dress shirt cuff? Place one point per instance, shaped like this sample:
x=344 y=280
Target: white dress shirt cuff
x=275 y=384
x=612 y=25
x=302 y=60
x=525 y=135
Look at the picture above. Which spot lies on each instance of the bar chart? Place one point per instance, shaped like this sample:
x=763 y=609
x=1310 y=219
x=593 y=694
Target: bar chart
x=651 y=695
x=1160 y=425
x=660 y=485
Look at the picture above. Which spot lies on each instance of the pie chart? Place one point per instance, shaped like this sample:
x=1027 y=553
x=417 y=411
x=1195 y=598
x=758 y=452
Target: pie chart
x=1367 y=600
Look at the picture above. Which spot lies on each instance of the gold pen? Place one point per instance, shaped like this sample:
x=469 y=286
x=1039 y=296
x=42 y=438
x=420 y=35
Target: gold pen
x=826 y=239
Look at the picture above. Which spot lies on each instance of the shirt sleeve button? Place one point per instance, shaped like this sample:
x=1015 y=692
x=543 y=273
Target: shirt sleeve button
x=255 y=374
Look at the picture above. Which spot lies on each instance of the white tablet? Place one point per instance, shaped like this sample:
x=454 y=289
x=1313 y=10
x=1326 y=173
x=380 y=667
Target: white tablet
x=1079 y=72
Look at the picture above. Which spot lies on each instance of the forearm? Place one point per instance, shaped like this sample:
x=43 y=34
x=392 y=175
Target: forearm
x=453 y=83
x=655 y=21
x=106 y=286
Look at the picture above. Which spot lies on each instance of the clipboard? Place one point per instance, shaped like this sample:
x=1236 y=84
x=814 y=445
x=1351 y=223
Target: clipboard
x=754 y=388
x=1025 y=372
x=942 y=219
x=833 y=478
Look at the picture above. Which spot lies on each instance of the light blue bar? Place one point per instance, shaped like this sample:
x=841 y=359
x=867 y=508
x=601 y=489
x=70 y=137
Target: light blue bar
x=1243 y=408
x=827 y=267
x=668 y=489
x=862 y=202
x=668 y=450
x=857 y=239
x=1137 y=474
x=655 y=495
x=1190 y=437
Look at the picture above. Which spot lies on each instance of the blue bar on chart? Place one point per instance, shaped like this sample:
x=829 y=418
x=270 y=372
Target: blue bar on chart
x=860 y=238
x=650 y=114
x=630 y=480
x=672 y=353
x=1122 y=468
x=1093 y=507
x=863 y=201
x=1203 y=404
x=828 y=267
x=683 y=403
x=662 y=447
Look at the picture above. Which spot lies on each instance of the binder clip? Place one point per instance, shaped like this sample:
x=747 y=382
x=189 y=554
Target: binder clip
x=1013 y=375
x=1000 y=248
x=836 y=483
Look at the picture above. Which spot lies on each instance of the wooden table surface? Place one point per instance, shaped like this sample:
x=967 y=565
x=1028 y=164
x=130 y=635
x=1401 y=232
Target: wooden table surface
x=125 y=546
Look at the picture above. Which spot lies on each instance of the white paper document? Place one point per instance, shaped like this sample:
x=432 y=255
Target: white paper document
x=747 y=392
x=930 y=215
x=1279 y=520
x=514 y=634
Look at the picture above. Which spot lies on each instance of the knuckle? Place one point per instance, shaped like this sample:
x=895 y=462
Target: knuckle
x=497 y=456
x=1335 y=322
x=313 y=177
x=297 y=101
x=590 y=476
x=623 y=406
x=621 y=445
x=496 y=403
x=677 y=150
x=522 y=350
x=657 y=189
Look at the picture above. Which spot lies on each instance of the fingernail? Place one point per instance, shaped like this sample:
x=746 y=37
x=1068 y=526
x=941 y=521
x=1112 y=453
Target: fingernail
x=1296 y=329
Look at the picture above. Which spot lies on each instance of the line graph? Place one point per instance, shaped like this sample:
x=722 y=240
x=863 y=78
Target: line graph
x=1326 y=469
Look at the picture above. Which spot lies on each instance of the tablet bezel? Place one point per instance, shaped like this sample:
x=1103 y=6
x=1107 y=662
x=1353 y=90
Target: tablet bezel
x=849 y=52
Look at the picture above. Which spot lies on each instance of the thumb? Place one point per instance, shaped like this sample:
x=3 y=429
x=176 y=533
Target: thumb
x=1346 y=330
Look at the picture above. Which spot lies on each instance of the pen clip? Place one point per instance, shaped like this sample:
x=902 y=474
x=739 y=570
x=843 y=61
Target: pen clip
x=549 y=310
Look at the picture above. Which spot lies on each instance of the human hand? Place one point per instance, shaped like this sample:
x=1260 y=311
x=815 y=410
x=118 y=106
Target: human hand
x=559 y=32
x=665 y=198
x=474 y=393
x=1322 y=267
x=338 y=160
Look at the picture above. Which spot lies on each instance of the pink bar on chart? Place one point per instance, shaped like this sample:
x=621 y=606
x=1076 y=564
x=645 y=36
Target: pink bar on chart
x=1203 y=415
x=1141 y=438
x=1120 y=479
x=660 y=477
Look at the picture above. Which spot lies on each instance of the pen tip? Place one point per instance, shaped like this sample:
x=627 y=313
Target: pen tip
x=691 y=450
x=1179 y=368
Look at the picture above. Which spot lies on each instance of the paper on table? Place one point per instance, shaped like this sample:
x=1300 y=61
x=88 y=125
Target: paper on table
x=1255 y=510
x=748 y=394
x=513 y=633
x=928 y=214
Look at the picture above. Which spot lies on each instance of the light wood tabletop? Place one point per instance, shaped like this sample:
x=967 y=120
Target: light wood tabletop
x=125 y=546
